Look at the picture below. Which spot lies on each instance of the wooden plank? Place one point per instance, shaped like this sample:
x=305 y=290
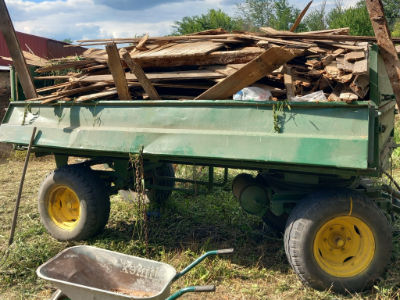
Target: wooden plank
x=354 y=56
x=288 y=80
x=53 y=87
x=250 y=73
x=65 y=65
x=179 y=50
x=177 y=75
x=141 y=45
x=118 y=73
x=62 y=94
x=339 y=31
x=361 y=67
x=145 y=60
x=386 y=46
x=296 y=44
x=7 y=29
x=331 y=37
x=110 y=92
x=300 y=17
x=141 y=76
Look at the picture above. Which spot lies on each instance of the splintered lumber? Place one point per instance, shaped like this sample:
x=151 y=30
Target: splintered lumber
x=118 y=73
x=386 y=46
x=267 y=62
x=141 y=76
x=300 y=17
x=214 y=64
x=7 y=29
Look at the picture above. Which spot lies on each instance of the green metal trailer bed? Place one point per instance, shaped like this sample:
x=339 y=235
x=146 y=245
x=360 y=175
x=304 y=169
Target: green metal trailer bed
x=310 y=158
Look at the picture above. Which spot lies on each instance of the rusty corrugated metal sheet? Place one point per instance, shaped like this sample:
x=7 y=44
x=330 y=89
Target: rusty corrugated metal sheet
x=40 y=46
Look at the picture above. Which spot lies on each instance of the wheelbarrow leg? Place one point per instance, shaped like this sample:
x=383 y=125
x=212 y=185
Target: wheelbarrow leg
x=58 y=295
x=192 y=289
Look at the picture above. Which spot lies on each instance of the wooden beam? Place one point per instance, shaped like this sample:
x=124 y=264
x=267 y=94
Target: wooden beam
x=300 y=17
x=386 y=46
x=7 y=29
x=137 y=70
x=159 y=76
x=288 y=81
x=118 y=73
x=263 y=65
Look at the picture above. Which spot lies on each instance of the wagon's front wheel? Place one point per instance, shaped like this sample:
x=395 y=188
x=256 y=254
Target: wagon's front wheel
x=73 y=203
x=339 y=240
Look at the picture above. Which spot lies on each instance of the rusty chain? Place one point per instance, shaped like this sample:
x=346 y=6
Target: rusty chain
x=137 y=162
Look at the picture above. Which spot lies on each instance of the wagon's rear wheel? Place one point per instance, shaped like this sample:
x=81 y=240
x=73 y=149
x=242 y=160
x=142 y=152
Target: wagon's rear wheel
x=73 y=203
x=339 y=240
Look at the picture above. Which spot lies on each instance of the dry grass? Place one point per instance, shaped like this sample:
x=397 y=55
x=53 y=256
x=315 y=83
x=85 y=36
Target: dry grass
x=189 y=226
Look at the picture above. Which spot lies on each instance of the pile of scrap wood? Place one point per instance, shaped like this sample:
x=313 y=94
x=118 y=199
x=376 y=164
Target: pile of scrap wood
x=211 y=65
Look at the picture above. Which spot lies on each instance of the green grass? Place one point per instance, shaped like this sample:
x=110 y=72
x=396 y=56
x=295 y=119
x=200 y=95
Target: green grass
x=189 y=226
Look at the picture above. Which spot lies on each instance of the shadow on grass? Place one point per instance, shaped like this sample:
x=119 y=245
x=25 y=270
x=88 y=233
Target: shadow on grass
x=201 y=223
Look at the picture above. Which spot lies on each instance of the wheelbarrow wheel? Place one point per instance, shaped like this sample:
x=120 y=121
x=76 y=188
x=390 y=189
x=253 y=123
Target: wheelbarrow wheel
x=73 y=203
x=338 y=240
x=157 y=196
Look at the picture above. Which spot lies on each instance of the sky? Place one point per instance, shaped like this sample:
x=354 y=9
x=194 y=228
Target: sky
x=96 y=19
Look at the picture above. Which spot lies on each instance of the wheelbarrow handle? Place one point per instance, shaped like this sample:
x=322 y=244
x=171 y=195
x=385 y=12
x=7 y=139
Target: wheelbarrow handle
x=225 y=251
x=199 y=260
x=192 y=289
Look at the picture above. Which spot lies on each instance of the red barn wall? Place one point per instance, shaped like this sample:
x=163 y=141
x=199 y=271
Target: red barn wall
x=40 y=46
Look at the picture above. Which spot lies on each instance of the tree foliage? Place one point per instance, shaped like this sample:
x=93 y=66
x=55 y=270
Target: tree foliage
x=357 y=18
x=280 y=15
x=270 y=13
x=211 y=20
x=316 y=19
x=392 y=11
x=396 y=29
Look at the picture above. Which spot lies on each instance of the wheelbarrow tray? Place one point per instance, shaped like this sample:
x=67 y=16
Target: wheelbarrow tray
x=85 y=272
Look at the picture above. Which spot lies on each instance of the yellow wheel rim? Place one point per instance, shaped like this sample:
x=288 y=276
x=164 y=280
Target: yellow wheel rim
x=63 y=206
x=344 y=246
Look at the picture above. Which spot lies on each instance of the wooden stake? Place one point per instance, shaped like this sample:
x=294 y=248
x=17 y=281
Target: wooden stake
x=300 y=17
x=386 y=46
x=118 y=74
x=137 y=70
x=21 y=185
x=7 y=29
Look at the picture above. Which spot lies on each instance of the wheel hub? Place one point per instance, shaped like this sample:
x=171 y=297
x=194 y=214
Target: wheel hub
x=64 y=207
x=344 y=246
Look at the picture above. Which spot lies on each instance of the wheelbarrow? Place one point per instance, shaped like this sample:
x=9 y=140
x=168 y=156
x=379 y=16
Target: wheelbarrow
x=90 y=273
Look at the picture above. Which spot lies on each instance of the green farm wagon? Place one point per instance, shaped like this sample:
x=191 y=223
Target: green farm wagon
x=312 y=160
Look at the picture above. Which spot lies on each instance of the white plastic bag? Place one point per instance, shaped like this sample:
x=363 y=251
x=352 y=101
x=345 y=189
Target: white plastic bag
x=253 y=93
x=313 y=97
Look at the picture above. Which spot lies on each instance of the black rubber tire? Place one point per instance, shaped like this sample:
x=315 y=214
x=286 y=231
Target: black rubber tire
x=314 y=211
x=93 y=197
x=161 y=196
